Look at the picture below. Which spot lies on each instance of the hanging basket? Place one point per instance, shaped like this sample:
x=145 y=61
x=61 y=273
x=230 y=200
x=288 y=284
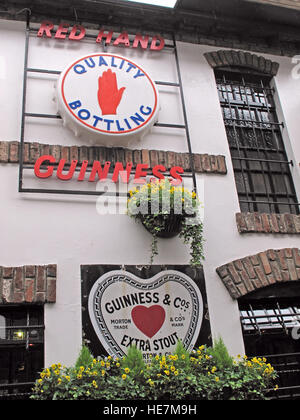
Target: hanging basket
x=169 y=225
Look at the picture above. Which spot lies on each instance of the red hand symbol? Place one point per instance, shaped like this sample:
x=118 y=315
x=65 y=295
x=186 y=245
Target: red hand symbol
x=109 y=96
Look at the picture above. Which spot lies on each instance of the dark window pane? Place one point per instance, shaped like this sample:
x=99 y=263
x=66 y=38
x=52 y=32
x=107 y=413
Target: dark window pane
x=21 y=347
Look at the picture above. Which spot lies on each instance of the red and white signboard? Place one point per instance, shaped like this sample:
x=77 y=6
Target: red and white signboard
x=152 y=314
x=107 y=96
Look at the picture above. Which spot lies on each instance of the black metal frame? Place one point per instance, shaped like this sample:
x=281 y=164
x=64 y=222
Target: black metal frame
x=25 y=115
x=276 y=330
x=21 y=390
x=256 y=143
x=276 y=320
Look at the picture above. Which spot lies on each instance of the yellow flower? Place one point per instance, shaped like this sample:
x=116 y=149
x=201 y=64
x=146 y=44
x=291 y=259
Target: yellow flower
x=68 y=378
x=81 y=368
x=40 y=381
x=156 y=357
x=102 y=372
x=151 y=383
x=94 y=383
x=176 y=372
x=42 y=375
x=213 y=369
x=53 y=366
x=276 y=387
x=217 y=379
x=183 y=357
x=79 y=376
x=59 y=380
x=167 y=372
x=102 y=363
x=127 y=370
x=124 y=377
x=118 y=364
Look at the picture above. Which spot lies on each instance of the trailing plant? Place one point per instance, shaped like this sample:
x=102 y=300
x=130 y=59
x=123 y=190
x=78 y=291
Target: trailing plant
x=203 y=374
x=167 y=210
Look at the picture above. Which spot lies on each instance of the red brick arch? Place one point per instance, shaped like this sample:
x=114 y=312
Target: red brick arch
x=254 y=272
x=231 y=58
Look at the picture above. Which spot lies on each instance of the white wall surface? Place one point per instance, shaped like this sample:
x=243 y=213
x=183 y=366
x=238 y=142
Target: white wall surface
x=66 y=230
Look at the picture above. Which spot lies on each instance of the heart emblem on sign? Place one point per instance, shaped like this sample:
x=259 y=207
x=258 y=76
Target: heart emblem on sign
x=148 y=320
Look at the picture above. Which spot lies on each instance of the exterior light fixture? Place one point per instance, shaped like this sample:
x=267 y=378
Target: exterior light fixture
x=19 y=335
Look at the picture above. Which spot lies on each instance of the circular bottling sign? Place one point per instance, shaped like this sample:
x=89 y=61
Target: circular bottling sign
x=107 y=96
x=152 y=314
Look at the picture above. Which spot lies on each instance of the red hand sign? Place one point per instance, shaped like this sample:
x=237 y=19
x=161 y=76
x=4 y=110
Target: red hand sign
x=109 y=96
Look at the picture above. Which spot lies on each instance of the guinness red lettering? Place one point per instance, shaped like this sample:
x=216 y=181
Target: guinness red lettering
x=44 y=168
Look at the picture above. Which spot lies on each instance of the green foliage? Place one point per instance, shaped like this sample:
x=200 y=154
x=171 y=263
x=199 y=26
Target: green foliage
x=134 y=362
x=203 y=374
x=220 y=354
x=85 y=357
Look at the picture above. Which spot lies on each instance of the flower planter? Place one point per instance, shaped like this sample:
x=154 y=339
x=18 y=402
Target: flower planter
x=154 y=195
x=169 y=225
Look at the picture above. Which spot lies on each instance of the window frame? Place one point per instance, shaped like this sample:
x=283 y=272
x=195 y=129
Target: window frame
x=25 y=354
x=275 y=192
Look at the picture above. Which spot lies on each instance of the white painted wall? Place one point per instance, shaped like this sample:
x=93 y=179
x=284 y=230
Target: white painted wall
x=66 y=230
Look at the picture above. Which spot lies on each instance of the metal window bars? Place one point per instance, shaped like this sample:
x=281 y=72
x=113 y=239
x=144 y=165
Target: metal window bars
x=263 y=178
x=267 y=320
x=17 y=340
x=27 y=334
x=27 y=70
x=287 y=365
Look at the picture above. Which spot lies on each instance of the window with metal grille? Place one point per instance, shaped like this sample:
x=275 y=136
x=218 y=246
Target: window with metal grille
x=270 y=318
x=261 y=168
x=21 y=349
x=271 y=329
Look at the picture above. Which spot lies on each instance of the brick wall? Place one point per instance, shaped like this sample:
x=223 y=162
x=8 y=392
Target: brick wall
x=28 y=284
x=224 y=58
x=254 y=272
x=268 y=223
x=203 y=163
